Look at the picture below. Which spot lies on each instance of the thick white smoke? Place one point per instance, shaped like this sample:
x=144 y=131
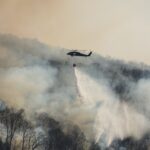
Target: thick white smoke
x=108 y=99
x=26 y=86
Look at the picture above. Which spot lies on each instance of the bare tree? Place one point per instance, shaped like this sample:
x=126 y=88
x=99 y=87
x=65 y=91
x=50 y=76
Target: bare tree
x=12 y=121
x=26 y=129
x=37 y=140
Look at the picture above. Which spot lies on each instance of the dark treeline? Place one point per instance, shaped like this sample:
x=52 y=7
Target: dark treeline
x=131 y=144
x=45 y=133
x=18 y=133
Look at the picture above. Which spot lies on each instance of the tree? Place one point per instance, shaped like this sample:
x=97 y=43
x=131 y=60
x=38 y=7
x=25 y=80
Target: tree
x=26 y=129
x=12 y=121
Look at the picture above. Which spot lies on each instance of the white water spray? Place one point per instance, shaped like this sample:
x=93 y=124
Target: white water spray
x=90 y=91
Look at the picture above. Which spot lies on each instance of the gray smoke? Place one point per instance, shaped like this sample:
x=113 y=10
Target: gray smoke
x=106 y=98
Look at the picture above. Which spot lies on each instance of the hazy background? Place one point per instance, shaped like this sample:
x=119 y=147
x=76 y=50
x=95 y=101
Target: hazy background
x=120 y=29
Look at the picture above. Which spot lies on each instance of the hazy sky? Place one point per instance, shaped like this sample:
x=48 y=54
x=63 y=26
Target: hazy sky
x=118 y=28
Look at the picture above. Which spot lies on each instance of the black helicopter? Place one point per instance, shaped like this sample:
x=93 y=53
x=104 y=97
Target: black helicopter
x=76 y=53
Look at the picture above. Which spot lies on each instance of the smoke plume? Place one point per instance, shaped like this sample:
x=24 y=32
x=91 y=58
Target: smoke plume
x=106 y=98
